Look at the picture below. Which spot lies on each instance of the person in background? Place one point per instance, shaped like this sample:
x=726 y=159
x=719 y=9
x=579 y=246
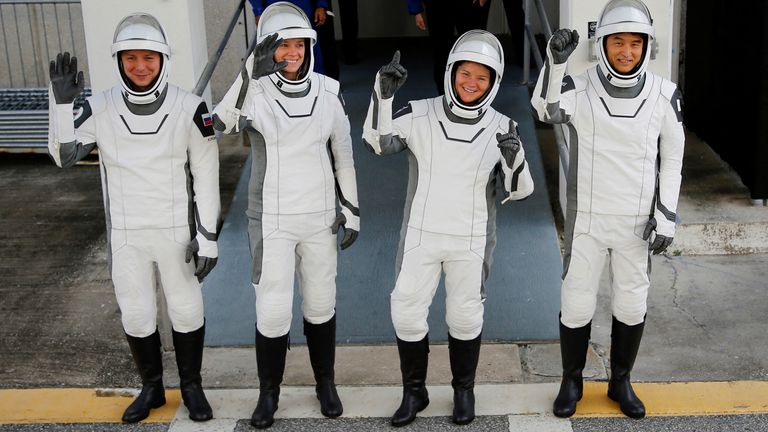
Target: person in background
x=444 y=19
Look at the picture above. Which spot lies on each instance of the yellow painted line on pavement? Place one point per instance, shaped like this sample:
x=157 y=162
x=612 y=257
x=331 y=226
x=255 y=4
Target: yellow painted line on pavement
x=681 y=398
x=75 y=406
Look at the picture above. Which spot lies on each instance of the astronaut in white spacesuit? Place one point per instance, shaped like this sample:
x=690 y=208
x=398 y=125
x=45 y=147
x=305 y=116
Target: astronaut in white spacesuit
x=160 y=179
x=626 y=152
x=457 y=146
x=301 y=164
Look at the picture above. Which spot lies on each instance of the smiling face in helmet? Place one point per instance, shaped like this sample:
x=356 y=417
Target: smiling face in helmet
x=471 y=81
x=141 y=67
x=291 y=51
x=624 y=51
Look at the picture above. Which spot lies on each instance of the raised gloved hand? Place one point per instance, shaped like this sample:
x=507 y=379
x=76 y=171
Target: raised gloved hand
x=660 y=242
x=509 y=143
x=562 y=43
x=203 y=264
x=350 y=235
x=264 y=57
x=392 y=76
x=66 y=81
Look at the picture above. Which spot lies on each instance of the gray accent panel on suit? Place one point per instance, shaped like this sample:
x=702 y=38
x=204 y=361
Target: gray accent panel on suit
x=413 y=182
x=572 y=202
x=670 y=215
x=256 y=200
x=107 y=216
x=445 y=134
x=461 y=120
x=339 y=193
x=608 y=110
x=546 y=72
x=621 y=92
x=71 y=152
x=192 y=219
x=243 y=88
x=212 y=236
x=311 y=111
x=516 y=177
x=146 y=109
x=556 y=114
x=490 y=228
x=677 y=104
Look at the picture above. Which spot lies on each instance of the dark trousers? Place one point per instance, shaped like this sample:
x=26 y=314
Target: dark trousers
x=446 y=20
x=349 y=28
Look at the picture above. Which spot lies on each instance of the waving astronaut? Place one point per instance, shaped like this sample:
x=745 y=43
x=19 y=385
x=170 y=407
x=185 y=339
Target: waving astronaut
x=457 y=148
x=626 y=156
x=302 y=163
x=160 y=178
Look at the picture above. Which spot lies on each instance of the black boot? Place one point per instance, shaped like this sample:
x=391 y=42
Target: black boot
x=464 y=356
x=414 y=357
x=321 y=343
x=189 y=359
x=625 y=341
x=573 y=352
x=270 y=362
x=149 y=362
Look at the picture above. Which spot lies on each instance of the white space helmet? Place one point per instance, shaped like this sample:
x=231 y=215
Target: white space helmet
x=141 y=31
x=289 y=22
x=478 y=46
x=624 y=16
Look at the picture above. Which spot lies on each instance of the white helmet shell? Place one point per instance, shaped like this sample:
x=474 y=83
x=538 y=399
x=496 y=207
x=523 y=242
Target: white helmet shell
x=289 y=22
x=624 y=16
x=141 y=31
x=477 y=46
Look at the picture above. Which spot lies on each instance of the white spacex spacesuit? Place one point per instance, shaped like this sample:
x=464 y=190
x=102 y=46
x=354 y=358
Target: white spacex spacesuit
x=301 y=162
x=160 y=179
x=626 y=150
x=449 y=221
x=456 y=150
x=159 y=171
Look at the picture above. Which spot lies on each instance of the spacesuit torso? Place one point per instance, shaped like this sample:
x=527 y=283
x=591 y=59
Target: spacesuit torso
x=292 y=148
x=618 y=142
x=617 y=177
x=457 y=165
x=145 y=160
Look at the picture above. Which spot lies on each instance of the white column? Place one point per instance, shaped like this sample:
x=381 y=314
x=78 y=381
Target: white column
x=183 y=21
x=577 y=14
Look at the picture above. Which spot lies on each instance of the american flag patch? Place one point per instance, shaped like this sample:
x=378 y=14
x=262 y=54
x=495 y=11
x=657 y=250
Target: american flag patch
x=207 y=119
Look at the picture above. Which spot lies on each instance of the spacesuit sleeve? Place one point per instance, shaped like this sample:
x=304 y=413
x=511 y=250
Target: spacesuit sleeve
x=204 y=167
x=382 y=133
x=344 y=167
x=554 y=96
x=671 y=146
x=516 y=179
x=69 y=140
x=228 y=116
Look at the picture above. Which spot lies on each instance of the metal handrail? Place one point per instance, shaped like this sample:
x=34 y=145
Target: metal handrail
x=205 y=76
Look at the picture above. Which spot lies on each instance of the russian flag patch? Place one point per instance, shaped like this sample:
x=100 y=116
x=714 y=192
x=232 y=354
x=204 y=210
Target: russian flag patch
x=207 y=119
